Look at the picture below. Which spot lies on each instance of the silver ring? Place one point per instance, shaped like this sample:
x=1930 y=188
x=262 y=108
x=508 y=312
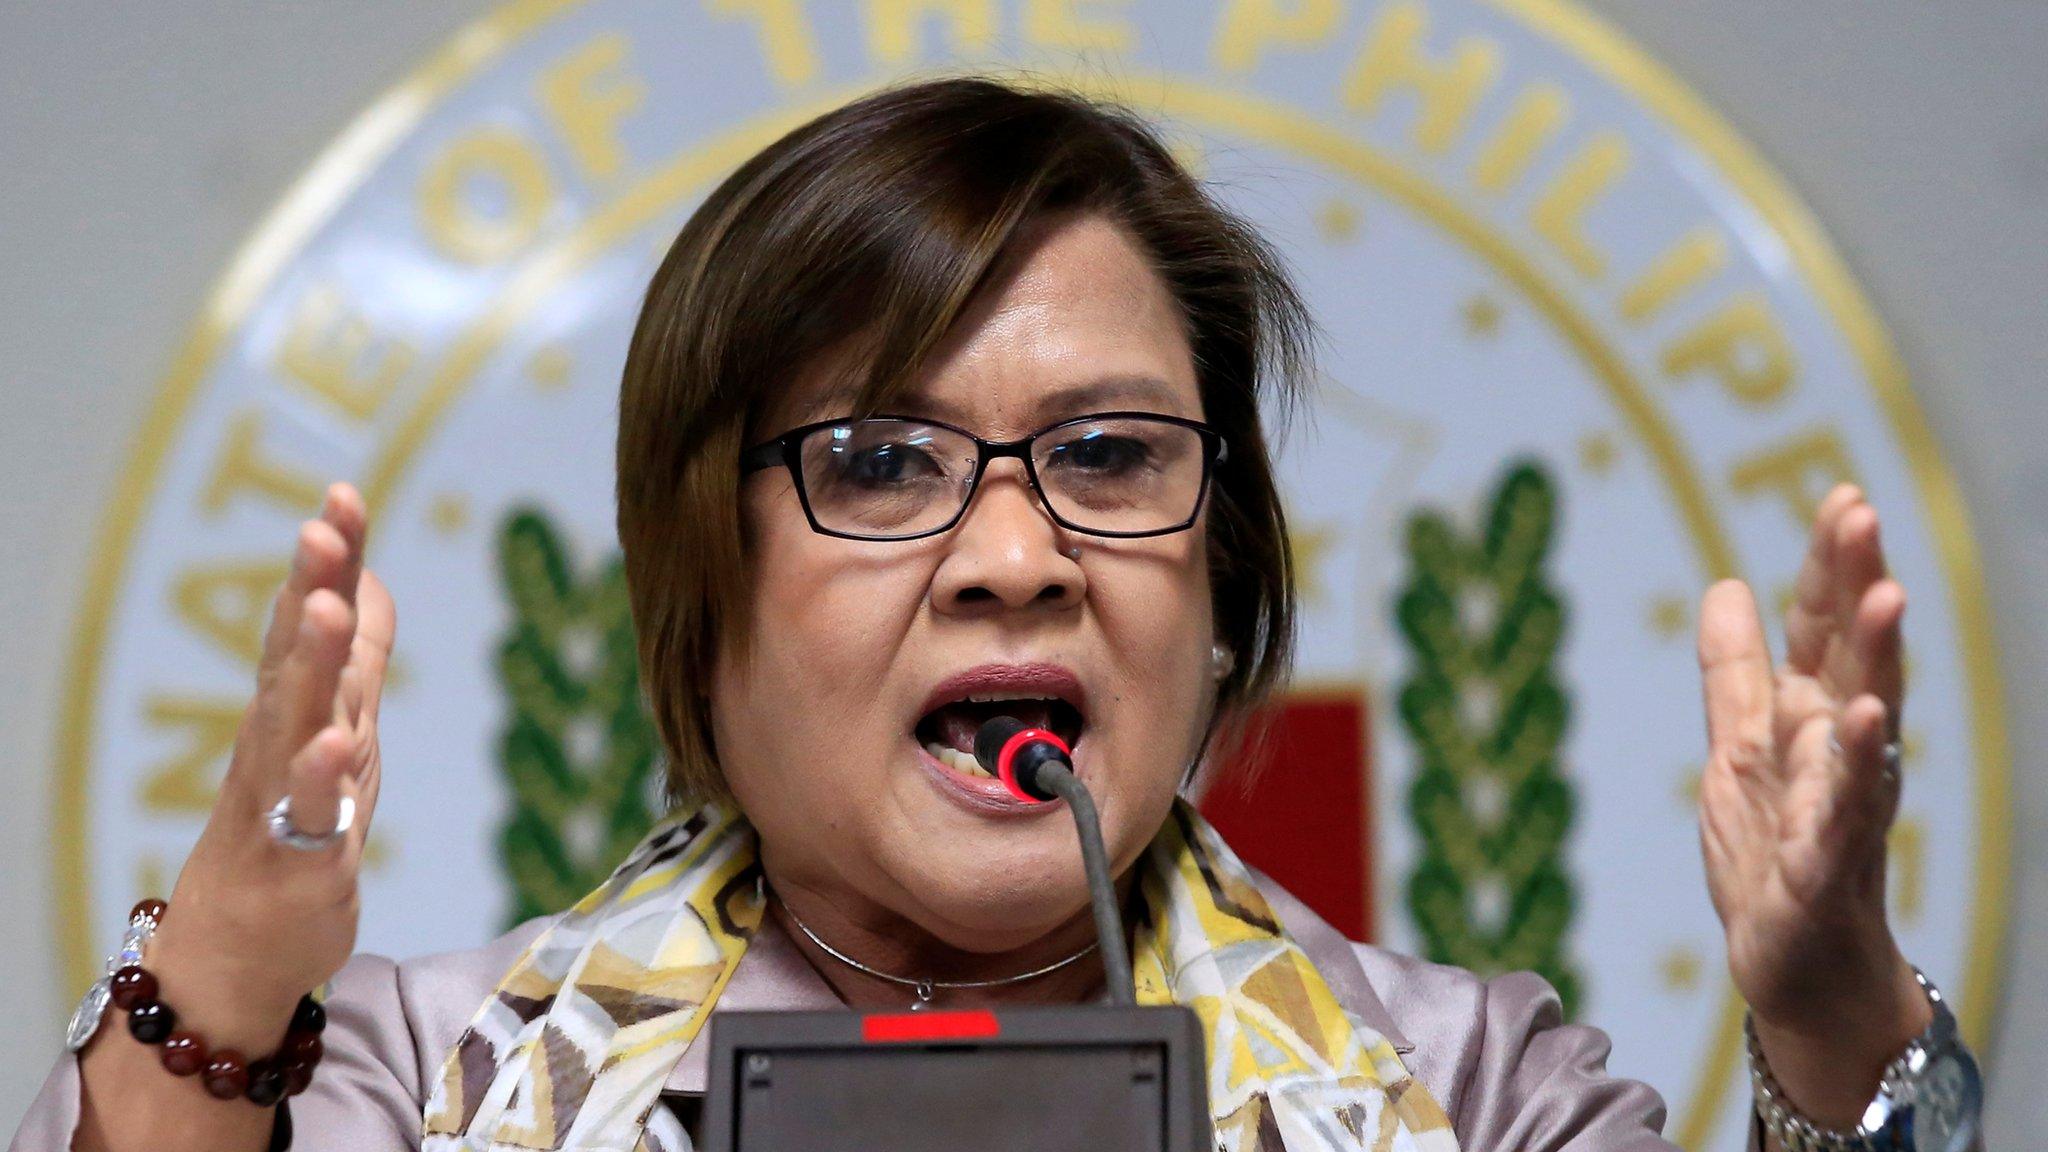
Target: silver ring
x=1893 y=768
x=282 y=830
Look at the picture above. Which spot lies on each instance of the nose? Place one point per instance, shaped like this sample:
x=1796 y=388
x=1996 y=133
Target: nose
x=1005 y=552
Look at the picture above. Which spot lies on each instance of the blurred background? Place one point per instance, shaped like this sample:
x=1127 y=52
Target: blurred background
x=144 y=145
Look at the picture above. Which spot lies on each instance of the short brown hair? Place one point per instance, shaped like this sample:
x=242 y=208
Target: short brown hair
x=867 y=231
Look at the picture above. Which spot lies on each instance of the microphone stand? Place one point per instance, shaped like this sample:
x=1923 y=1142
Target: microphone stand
x=1060 y=780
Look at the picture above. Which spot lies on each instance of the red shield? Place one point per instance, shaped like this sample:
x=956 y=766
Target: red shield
x=1296 y=802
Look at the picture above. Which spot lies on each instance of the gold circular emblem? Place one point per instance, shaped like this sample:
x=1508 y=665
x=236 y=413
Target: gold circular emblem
x=1563 y=303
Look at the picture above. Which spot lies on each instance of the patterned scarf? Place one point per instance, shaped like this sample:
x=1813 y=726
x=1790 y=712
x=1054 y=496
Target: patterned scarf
x=573 y=1048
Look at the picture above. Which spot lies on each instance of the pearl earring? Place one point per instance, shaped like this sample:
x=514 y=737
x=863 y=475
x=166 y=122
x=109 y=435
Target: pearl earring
x=1221 y=661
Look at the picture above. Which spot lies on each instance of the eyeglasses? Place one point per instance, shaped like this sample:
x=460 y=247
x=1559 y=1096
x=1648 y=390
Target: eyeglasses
x=1120 y=474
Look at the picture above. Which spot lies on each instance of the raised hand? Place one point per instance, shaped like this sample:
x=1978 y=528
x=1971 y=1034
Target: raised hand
x=254 y=924
x=1800 y=788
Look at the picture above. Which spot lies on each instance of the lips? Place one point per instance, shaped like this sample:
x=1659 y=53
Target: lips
x=1038 y=695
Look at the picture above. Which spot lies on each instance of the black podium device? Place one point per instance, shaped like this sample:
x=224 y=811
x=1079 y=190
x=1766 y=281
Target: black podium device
x=1055 y=1079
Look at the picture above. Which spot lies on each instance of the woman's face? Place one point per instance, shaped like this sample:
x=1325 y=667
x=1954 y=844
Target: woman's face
x=826 y=730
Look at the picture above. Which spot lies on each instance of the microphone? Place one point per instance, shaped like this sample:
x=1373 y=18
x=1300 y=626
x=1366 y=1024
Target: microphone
x=1014 y=753
x=1037 y=767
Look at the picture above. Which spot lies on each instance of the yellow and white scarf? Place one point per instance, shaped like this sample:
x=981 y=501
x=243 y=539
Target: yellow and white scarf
x=573 y=1048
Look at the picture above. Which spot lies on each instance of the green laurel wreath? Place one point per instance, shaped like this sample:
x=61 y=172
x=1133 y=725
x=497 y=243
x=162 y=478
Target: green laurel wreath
x=1489 y=891
x=578 y=750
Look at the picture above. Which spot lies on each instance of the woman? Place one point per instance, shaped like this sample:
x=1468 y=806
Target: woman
x=834 y=583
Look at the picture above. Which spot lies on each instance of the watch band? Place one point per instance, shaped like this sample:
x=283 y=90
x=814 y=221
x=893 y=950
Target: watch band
x=1888 y=1122
x=1793 y=1131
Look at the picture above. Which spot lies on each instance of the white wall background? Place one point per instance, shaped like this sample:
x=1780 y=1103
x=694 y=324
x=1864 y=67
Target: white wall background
x=139 y=142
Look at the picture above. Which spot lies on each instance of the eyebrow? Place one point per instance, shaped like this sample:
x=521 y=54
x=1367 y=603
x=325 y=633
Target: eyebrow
x=1118 y=391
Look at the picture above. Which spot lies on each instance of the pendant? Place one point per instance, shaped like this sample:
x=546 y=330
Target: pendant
x=924 y=997
x=86 y=1020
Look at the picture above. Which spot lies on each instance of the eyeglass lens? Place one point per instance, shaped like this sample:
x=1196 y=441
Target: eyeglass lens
x=888 y=478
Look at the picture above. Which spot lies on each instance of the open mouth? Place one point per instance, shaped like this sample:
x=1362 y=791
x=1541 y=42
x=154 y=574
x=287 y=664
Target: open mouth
x=947 y=731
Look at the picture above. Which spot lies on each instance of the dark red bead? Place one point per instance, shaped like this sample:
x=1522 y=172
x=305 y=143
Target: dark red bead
x=303 y=1047
x=309 y=1017
x=226 y=1075
x=151 y=1021
x=298 y=1075
x=151 y=908
x=266 y=1083
x=280 y=1130
x=131 y=986
x=184 y=1054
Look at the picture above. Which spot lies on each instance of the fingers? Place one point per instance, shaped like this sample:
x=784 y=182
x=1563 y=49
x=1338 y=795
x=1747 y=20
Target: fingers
x=301 y=699
x=309 y=645
x=376 y=631
x=1800 y=703
x=1735 y=676
x=348 y=698
x=1837 y=802
x=1866 y=650
x=1807 y=623
x=1844 y=623
x=1869 y=786
x=1847 y=755
x=317 y=778
x=317 y=562
x=1876 y=648
x=344 y=511
x=1859 y=557
x=329 y=555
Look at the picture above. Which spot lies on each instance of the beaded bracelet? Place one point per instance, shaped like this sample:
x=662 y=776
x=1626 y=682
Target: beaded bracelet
x=226 y=1073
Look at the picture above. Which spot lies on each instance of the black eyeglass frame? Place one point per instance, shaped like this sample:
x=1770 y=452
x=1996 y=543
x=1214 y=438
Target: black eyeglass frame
x=786 y=450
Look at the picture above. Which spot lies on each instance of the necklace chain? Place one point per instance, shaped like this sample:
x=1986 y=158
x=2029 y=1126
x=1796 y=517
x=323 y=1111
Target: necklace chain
x=925 y=987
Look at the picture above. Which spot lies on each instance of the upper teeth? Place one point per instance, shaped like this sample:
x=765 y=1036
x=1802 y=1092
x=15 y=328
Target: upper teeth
x=999 y=697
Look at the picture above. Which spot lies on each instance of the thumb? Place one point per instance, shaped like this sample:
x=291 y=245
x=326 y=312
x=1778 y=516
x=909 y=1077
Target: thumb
x=1735 y=671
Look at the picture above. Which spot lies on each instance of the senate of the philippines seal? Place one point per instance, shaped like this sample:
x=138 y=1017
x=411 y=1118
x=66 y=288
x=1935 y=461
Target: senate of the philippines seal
x=1582 y=355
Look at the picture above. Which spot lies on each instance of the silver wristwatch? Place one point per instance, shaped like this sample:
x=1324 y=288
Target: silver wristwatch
x=1930 y=1100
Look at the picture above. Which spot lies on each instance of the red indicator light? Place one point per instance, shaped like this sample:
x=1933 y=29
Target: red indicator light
x=911 y=1027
